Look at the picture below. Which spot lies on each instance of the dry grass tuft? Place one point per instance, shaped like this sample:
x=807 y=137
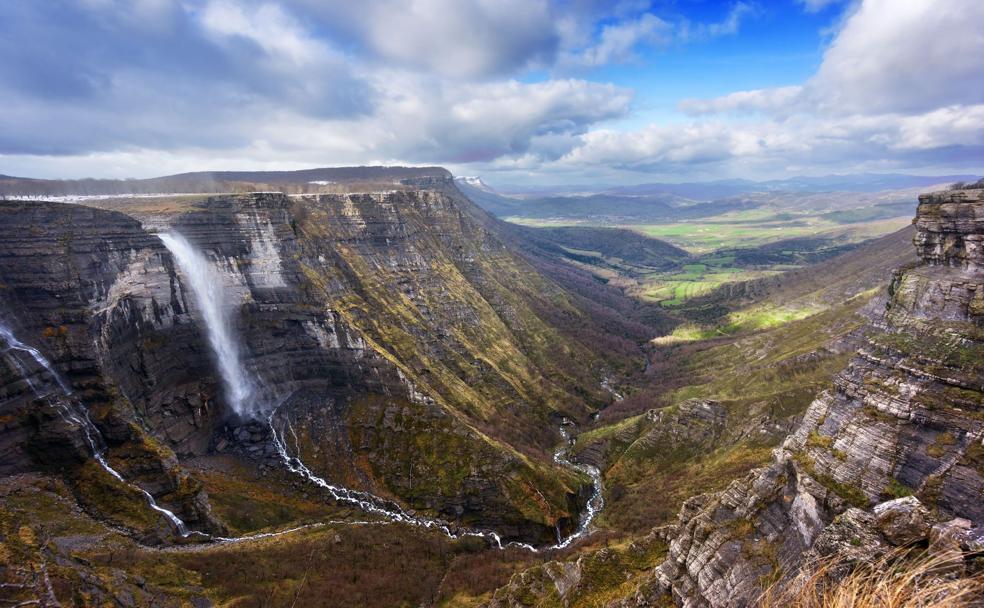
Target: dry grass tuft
x=897 y=580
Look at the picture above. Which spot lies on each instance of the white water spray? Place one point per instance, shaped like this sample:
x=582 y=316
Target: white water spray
x=206 y=285
x=74 y=412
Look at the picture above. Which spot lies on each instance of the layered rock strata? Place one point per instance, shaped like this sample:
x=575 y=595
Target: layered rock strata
x=905 y=418
x=388 y=330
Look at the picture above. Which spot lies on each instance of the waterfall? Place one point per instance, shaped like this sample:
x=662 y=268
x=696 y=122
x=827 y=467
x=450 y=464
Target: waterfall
x=14 y=344
x=73 y=411
x=206 y=286
x=597 y=500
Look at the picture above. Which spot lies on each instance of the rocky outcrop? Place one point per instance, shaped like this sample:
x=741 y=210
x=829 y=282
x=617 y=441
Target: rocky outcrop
x=950 y=229
x=905 y=417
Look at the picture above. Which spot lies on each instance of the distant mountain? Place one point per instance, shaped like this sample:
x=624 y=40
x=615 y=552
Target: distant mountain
x=304 y=180
x=606 y=207
x=474 y=182
x=861 y=182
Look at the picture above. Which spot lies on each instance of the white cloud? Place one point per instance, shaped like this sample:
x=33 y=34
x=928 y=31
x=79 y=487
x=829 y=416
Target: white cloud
x=901 y=82
x=617 y=42
x=774 y=100
x=453 y=38
x=904 y=55
x=191 y=84
x=729 y=26
x=832 y=142
x=269 y=27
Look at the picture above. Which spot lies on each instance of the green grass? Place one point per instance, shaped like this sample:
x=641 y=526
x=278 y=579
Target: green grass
x=750 y=228
x=673 y=289
x=726 y=232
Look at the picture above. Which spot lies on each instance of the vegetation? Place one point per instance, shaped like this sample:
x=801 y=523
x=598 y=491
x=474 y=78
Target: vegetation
x=756 y=227
x=899 y=579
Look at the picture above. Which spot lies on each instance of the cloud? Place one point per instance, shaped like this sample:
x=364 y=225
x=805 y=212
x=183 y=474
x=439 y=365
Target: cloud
x=706 y=31
x=190 y=84
x=804 y=140
x=774 y=100
x=900 y=82
x=433 y=121
x=618 y=42
x=83 y=77
x=727 y=27
x=463 y=39
x=909 y=56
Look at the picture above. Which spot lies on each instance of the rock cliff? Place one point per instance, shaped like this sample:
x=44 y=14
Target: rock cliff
x=889 y=455
x=904 y=418
x=411 y=354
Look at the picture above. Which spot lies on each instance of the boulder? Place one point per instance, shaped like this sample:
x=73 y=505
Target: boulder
x=902 y=521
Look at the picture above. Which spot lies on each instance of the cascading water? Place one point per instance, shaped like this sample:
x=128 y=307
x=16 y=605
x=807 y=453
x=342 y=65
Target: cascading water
x=74 y=412
x=206 y=286
x=597 y=500
x=14 y=344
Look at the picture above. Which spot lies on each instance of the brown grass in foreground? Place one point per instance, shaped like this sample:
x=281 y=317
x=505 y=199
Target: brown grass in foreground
x=897 y=580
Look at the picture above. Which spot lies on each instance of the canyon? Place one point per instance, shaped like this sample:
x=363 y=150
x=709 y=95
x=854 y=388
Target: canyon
x=257 y=396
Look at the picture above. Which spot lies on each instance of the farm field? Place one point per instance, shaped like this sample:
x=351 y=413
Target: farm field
x=746 y=228
x=713 y=244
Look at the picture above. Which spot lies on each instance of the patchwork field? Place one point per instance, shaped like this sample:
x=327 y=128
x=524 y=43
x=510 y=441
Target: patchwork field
x=724 y=248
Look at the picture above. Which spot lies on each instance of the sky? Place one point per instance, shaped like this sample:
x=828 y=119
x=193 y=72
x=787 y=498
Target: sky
x=516 y=91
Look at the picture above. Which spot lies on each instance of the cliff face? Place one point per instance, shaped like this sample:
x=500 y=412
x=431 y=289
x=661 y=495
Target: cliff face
x=905 y=417
x=402 y=343
x=60 y=269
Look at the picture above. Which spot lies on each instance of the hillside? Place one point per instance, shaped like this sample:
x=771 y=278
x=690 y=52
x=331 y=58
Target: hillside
x=389 y=343
x=882 y=465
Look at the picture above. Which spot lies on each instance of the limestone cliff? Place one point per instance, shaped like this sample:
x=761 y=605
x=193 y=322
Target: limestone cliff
x=406 y=347
x=891 y=454
x=904 y=418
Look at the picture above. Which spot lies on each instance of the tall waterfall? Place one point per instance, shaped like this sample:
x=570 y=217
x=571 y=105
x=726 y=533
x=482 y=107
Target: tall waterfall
x=73 y=411
x=206 y=285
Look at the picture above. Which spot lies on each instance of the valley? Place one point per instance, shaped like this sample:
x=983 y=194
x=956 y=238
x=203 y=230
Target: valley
x=729 y=240
x=491 y=304
x=394 y=398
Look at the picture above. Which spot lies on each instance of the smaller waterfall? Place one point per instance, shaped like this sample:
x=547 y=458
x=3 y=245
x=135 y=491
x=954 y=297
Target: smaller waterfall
x=75 y=413
x=14 y=344
x=206 y=286
x=597 y=501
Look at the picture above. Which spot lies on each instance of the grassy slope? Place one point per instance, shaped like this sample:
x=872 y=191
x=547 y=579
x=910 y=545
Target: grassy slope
x=767 y=352
x=763 y=380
